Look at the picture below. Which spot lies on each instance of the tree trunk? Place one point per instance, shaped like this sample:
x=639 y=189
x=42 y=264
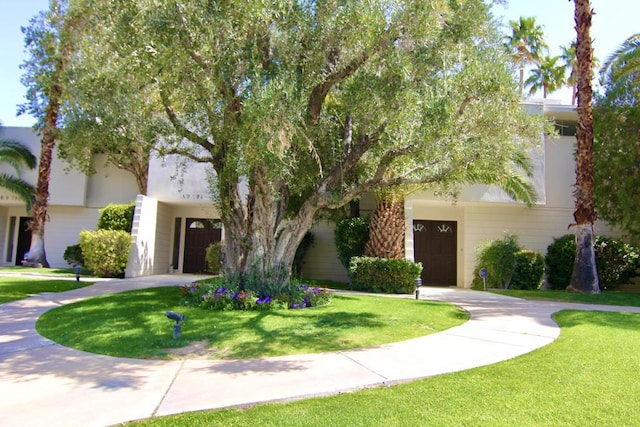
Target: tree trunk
x=37 y=253
x=584 y=278
x=259 y=241
x=387 y=229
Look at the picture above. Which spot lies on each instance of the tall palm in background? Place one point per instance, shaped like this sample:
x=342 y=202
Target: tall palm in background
x=548 y=76
x=17 y=156
x=584 y=278
x=526 y=44
x=568 y=56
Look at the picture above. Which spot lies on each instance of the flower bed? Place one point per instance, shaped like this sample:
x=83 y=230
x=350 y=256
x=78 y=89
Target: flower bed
x=215 y=297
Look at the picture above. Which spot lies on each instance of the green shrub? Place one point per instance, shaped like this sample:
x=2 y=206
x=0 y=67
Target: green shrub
x=298 y=258
x=350 y=236
x=393 y=276
x=617 y=262
x=559 y=261
x=73 y=255
x=105 y=251
x=116 y=217
x=213 y=258
x=499 y=258
x=529 y=270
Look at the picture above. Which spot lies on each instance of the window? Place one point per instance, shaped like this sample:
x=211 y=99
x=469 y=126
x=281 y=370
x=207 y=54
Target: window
x=566 y=127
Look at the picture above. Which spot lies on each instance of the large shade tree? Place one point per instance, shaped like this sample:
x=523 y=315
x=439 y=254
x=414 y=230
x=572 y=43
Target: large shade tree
x=584 y=277
x=304 y=106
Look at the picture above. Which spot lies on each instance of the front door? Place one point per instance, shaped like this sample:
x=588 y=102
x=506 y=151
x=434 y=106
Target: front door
x=200 y=233
x=435 y=246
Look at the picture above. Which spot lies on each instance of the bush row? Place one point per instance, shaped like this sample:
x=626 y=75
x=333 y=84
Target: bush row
x=510 y=266
x=617 y=262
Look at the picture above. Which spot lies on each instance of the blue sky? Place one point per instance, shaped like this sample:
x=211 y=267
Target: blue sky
x=615 y=20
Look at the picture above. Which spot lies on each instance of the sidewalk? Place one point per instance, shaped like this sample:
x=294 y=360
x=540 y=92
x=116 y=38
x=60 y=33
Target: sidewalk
x=43 y=383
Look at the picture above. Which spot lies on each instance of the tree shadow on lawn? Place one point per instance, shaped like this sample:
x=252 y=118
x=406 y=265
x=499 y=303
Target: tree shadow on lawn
x=136 y=326
x=610 y=319
x=322 y=331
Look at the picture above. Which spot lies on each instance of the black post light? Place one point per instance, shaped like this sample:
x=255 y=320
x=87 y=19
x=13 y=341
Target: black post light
x=418 y=284
x=177 y=327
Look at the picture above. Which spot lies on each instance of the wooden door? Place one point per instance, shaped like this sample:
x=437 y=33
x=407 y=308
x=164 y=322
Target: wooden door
x=199 y=234
x=435 y=246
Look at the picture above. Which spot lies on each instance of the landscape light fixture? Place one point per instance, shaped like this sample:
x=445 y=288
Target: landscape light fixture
x=177 y=327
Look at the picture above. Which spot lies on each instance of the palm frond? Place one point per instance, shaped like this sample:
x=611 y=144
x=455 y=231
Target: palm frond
x=624 y=61
x=16 y=155
x=21 y=188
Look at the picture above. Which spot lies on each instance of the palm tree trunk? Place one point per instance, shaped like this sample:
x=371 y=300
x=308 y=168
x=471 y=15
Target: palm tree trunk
x=37 y=253
x=585 y=276
x=386 y=229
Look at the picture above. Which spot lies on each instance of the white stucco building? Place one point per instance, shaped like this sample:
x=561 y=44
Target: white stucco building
x=173 y=222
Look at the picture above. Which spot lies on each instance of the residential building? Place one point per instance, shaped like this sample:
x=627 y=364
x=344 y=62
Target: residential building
x=177 y=220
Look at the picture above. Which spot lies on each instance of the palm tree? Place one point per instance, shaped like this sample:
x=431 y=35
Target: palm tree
x=17 y=156
x=526 y=44
x=624 y=61
x=584 y=278
x=568 y=55
x=387 y=226
x=50 y=42
x=548 y=76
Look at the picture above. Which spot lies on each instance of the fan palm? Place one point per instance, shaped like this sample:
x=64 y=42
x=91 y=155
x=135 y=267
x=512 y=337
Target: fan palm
x=17 y=156
x=585 y=276
x=526 y=44
x=568 y=55
x=624 y=61
x=548 y=76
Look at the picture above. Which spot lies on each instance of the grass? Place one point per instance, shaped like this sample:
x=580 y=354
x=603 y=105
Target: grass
x=586 y=377
x=605 y=298
x=64 y=272
x=133 y=324
x=16 y=288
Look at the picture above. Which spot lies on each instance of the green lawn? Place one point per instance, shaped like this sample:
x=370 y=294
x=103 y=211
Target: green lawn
x=133 y=324
x=605 y=298
x=19 y=287
x=65 y=272
x=588 y=377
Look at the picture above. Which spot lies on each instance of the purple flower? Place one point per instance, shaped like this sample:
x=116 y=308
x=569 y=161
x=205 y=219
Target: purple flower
x=263 y=300
x=221 y=291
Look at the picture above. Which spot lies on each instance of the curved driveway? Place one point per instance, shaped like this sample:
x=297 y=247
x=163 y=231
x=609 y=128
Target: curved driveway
x=43 y=383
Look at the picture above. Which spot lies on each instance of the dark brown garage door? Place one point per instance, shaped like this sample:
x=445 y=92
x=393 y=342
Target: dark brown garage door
x=435 y=246
x=199 y=235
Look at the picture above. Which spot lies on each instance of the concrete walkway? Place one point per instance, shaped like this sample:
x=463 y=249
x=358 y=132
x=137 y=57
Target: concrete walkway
x=46 y=384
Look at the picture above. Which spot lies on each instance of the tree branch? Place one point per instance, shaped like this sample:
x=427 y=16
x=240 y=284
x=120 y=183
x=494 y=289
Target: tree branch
x=182 y=130
x=320 y=91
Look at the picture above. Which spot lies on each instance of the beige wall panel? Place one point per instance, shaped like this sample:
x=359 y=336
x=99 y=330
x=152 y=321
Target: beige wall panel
x=321 y=262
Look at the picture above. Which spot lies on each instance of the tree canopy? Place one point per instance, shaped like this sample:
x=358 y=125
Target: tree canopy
x=617 y=153
x=302 y=106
